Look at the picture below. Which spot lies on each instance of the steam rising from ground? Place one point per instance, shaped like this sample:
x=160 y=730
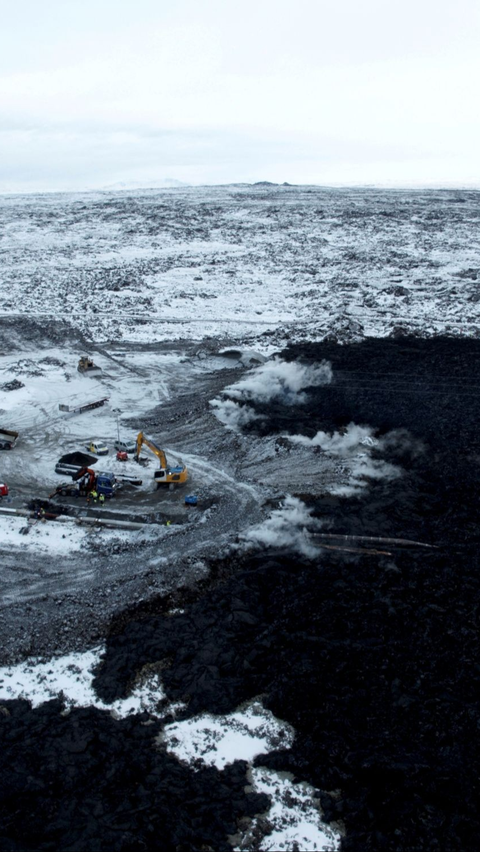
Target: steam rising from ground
x=355 y=445
x=276 y=378
x=285 y=527
x=280 y=378
x=232 y=414
x=340 y=443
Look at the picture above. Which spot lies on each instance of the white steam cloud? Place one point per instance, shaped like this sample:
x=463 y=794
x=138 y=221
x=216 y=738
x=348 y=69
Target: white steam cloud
x=273 y=379
x=232 y=414
x=286 y=527
x=280 y=378
x=354 y=445
x=339 y=443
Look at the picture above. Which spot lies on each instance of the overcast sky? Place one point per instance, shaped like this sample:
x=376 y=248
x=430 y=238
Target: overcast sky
x=99 y=92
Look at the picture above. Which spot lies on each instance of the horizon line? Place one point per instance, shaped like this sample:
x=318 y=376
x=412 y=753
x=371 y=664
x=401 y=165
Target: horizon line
x=408 y=187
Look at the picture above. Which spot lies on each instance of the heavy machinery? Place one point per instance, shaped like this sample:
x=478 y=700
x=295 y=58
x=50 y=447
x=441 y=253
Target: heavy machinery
x=86 y=480
x=8 y=438
x=125 y=446
x=86 y=365
x=98 y=447
x=166 y=475
x=103 y=483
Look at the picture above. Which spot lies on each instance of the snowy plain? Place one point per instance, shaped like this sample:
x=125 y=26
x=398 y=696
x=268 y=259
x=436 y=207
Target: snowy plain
x=262 y=264
x=247 y=268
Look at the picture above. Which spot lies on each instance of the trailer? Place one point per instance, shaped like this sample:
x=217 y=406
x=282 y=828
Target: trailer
x=72 y=469
x=8 y=438
x=78 y=409
x=86 y=481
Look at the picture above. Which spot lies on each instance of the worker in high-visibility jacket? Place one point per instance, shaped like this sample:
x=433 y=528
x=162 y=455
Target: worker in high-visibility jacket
x=94 y=495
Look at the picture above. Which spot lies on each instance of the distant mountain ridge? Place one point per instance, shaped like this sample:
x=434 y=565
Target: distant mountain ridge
x=165 y=183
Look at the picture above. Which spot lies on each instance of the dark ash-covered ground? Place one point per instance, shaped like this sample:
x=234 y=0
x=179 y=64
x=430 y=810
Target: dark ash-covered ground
x=372 y=657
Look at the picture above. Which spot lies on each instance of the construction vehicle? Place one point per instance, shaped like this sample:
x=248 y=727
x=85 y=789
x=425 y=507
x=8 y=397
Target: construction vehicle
x=86 y=365
x=66 y=469
x=103 y=483
x=97 y=447
x=3 y=490
x=86 y=480
x=166 y=475
x=8 y=438
x=125 y=446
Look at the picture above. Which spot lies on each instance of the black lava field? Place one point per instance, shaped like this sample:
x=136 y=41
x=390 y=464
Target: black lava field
x=371 y=653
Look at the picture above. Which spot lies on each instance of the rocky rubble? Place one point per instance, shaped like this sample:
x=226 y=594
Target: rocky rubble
x=369 y=655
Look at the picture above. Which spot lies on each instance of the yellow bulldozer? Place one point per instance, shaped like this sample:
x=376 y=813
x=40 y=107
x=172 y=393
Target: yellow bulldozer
x=167 y=474
x=86 y=365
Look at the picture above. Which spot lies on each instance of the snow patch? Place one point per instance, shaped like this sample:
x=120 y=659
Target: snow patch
x=71 y=677
x=220 y=740
x=293 y=819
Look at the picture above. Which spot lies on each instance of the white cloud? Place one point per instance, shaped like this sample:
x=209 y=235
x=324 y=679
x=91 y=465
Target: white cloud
x=275 y=378
x=339 y=443
x=342 y=93
x=232 y=414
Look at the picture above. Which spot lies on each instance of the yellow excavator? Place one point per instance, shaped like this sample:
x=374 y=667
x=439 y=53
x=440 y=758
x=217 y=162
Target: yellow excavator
x=167 y=475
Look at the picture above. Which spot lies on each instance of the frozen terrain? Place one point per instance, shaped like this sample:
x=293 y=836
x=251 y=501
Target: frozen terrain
x=186 y=299
x=258 y=264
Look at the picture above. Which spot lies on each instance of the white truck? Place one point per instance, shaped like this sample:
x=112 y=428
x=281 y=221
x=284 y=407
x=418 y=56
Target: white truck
x=98 y=447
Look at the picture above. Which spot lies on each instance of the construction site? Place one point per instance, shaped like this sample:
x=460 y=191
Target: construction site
x=124 y=474
x=265 y=634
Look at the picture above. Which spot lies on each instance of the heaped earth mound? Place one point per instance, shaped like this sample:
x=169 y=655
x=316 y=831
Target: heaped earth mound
x=370 y=651
x=24 y=333
x=78 y=458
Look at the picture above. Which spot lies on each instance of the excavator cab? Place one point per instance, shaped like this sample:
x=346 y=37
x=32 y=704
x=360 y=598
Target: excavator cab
x=167 y=475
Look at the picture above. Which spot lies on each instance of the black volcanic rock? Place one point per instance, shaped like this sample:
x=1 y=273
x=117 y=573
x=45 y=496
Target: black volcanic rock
x=84 y=781
x=372 y=657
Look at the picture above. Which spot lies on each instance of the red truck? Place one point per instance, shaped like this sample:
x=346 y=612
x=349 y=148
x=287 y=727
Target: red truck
x=3 y=490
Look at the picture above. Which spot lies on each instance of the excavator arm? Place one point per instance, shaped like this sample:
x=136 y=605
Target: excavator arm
x=166 y=475
x=142 y=439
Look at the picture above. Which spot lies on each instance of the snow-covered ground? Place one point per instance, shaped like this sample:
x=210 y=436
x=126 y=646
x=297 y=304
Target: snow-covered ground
x=294 y=819
x=136 y=277
x=261 y=263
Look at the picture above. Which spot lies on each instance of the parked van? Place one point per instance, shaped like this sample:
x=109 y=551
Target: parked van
x=97 y=447
x=126 y=446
